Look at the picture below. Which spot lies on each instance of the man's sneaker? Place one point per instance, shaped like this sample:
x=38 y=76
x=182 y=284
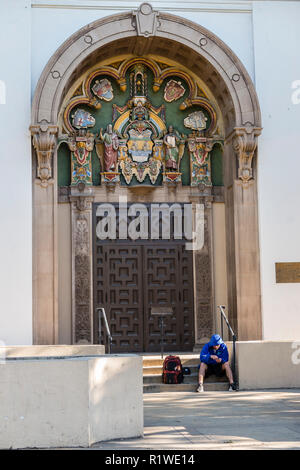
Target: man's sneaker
x=232 y=388
x=200 y=388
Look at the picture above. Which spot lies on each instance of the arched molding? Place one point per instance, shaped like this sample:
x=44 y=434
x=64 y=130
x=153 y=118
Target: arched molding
x=73 y=52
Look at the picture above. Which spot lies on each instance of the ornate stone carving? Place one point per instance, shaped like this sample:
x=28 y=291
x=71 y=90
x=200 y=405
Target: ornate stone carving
x=174 y=148
x=196 y=121
x=244 y=142
x=44 y=141
x=81 y=261
x=173 y=91
x=199 y=148
x=82 y=281
x=204 y=321
x=82 y=203
x=111 y=145
x=204 y=281
x=146 y=20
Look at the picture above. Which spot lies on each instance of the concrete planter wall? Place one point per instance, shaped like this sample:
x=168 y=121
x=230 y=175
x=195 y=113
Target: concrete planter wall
x=268 y=364
x=66 y=402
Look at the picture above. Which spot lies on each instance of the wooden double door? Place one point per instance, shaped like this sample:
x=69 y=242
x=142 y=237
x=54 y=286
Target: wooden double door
x=129 y=280
x=131 y=277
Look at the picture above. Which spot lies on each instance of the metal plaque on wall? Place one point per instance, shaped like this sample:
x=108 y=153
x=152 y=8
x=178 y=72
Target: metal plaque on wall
x=287 y=272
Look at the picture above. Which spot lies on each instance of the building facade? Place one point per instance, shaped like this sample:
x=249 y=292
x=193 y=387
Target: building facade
x=131 y=120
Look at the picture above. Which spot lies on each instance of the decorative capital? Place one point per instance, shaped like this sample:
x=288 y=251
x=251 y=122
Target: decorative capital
x=81 y=198
x=82 y=203
x=44 y=138
x=244 y=142
x=146 y=20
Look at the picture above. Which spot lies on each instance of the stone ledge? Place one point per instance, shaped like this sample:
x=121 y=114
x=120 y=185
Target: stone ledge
x=51 y=351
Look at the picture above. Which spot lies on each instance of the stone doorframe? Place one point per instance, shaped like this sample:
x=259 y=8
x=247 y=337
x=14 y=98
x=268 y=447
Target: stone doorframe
x=242 y=120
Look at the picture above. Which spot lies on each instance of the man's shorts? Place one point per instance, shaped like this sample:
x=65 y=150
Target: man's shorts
x=214 y=369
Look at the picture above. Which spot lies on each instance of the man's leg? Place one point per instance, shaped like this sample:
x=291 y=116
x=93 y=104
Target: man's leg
x=228 y=371
x=202 y=370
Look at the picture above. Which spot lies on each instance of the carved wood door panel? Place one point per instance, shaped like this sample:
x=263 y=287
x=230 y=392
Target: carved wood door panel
x=168 y=283
x=118 y=273
x=130 y=277
x=129 y=280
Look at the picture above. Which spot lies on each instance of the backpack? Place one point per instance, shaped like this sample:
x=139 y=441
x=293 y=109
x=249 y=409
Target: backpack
x=172 y=370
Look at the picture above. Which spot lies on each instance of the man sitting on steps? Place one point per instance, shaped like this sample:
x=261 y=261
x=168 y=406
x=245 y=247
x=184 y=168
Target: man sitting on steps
x=214 y=360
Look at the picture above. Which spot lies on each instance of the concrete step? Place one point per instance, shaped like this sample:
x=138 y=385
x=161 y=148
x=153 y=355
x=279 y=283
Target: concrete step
x=185 y=387
x=152 y=375
x=187 y=360
x=152 y=370
x=188 y=379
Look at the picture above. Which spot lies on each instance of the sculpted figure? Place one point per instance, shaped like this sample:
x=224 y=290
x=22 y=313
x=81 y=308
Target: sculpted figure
x=111 y=145
x=172 y=142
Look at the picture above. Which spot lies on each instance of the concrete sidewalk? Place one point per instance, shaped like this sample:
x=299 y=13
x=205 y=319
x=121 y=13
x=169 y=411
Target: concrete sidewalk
x=268 y=419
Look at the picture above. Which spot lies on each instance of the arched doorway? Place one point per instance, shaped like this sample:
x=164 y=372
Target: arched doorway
x=224 y=87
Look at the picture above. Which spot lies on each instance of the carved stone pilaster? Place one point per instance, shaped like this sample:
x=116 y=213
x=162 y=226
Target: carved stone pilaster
x=44 y=138
x=82 y=313
x=203 y=275
x=244 y=141
x=145 y=20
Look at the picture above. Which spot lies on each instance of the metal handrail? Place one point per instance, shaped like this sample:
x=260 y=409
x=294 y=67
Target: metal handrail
x=223 y=316
x=100 y=311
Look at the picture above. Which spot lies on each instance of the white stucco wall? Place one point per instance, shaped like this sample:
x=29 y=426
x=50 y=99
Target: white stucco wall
x=15 y=187
x=231 y=21
x=277 y=66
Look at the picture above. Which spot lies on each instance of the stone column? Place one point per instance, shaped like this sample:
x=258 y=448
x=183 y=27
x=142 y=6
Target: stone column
x=45 y=305
x=243 y=266
x=203 y=273
x=82 y=269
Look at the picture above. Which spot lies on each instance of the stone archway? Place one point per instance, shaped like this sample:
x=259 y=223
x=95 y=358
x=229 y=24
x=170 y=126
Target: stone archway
x=142 y=31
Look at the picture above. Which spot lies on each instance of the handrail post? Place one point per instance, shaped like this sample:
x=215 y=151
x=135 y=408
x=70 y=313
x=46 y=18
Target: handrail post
x=234 y=352
x=222 y=326
x=223 y=316
x=109 y=337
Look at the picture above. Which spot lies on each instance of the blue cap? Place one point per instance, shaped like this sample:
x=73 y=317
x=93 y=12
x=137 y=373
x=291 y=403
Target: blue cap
x=215 y=340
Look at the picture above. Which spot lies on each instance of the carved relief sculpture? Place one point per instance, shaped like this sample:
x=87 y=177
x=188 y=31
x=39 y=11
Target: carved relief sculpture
x=44 y=141
x=199 y=149
x=173 y=91
x=141 y=128
x=111 y=145
x=244 y=143
x=174 y=148
x=195 y=121
x=136 y=143
x=81 y=144
x=103 y=89
x=82 y=277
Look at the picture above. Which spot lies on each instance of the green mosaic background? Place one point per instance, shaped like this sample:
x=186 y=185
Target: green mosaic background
x=174 y=117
